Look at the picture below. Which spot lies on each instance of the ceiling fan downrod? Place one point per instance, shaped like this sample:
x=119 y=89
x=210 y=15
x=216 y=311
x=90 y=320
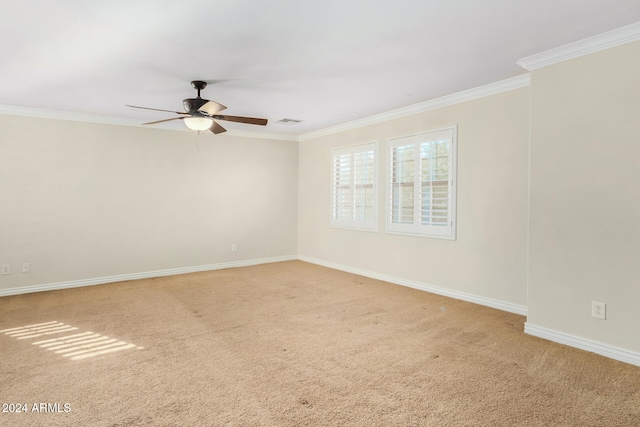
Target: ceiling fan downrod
x=198 y=85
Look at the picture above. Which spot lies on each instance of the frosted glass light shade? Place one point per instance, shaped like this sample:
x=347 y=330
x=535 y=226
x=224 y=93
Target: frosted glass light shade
x=198 y=123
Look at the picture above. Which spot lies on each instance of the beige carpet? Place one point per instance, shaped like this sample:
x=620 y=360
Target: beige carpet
x=291 y=344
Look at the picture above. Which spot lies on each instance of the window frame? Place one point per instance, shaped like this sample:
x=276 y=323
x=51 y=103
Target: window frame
x=354 y=223
x=415 y=227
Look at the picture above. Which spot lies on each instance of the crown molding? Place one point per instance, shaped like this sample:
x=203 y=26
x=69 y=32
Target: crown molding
x=261 y=135
x=456 y=98
x=41 y=113
x=586 y=46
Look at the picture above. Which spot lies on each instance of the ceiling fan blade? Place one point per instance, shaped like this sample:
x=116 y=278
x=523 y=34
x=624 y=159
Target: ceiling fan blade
x=248 y=120
x=212 y=107
x=216 y=128
x=156 y=109
x=165 y=120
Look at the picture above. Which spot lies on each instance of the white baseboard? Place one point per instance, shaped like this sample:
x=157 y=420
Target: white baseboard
x=489 y=302
x=584 y=344
x=144 y=275
x=538 y=331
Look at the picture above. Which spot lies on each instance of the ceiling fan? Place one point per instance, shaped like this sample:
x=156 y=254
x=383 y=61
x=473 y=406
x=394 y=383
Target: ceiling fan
x=201 y=114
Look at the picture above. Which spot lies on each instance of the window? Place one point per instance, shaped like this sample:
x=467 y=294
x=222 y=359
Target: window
x=353 y=200
x=421 y=192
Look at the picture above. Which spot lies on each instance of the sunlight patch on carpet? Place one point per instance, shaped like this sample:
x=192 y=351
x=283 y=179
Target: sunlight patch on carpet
x=76 y=346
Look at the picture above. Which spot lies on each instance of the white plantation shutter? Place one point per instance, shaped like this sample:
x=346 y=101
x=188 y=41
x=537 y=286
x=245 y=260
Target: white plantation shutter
x=434 y=180
x=354 y=187
x=363 y=182
x=403 y=192
x=421 y=184
x=342 y=186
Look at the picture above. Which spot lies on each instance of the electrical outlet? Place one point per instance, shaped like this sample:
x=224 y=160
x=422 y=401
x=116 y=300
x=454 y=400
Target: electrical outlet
x=599 y=310
x=234 y=247
x=6 y=269
x=397 y=259
x=26 y=267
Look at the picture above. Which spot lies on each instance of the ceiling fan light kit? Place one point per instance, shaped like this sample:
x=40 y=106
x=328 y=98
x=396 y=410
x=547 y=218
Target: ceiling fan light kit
x=200 y=113
x=198 y=123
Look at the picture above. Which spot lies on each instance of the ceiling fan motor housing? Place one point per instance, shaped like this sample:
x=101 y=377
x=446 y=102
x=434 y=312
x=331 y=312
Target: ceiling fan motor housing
x=191 y=105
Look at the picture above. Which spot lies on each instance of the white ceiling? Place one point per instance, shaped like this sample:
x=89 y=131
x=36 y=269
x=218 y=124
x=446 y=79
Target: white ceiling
x=323 y=62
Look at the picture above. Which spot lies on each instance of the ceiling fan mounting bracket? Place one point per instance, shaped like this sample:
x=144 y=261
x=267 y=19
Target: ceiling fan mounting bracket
x=198 y=85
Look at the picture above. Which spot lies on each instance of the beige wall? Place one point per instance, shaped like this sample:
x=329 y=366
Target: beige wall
x=585 y=196
x=81 y=201
x=488 y=259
